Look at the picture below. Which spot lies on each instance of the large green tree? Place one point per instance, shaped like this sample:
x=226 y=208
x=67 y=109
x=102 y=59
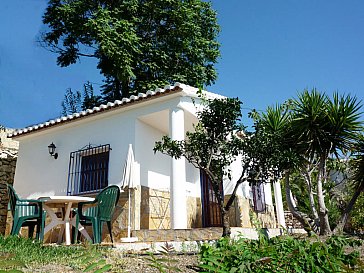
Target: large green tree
x=139 y=44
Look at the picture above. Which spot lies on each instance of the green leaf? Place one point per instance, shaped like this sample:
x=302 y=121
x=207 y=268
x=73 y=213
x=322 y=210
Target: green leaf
x=95 y=265
x=104 y=269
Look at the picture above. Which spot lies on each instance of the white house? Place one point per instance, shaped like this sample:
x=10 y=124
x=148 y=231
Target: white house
x=171 y=193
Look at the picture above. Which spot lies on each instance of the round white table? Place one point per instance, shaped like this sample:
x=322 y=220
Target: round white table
x=66 y=203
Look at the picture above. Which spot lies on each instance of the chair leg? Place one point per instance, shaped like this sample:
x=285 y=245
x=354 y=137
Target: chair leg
x=73 y=230
x=109 y=227
x=31 y=230
x=37 y=230
x=13 y=227
x=96 y=228
x=40 y=229
x=75 y=235
x=16 y=227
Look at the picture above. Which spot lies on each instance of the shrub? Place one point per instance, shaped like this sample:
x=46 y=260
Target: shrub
x=280 y=254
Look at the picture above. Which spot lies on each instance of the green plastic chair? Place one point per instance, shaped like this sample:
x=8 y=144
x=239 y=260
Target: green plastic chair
x=99 y=212
x=26 y=212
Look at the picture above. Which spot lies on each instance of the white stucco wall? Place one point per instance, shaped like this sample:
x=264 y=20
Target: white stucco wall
x=268 y=193
x=156 y=169
x=39 y=174
x=229 y=185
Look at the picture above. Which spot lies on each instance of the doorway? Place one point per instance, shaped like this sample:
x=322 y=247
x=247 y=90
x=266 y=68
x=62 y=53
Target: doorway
x=211 y=212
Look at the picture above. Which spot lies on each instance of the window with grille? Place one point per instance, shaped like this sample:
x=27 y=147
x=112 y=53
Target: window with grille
x=258 y=197
x=88 y=169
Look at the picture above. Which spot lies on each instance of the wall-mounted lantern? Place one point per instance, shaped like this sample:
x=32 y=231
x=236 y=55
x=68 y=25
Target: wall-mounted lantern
x=52 y=150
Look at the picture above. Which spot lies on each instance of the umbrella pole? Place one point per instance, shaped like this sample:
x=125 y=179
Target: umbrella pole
x=129 y=212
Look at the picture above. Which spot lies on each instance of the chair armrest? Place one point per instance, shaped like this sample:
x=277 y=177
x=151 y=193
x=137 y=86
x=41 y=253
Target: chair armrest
x=80 y=206
x=37 y=205
x=27 y=202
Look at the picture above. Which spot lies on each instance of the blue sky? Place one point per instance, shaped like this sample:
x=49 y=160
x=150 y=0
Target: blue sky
x=270 y=50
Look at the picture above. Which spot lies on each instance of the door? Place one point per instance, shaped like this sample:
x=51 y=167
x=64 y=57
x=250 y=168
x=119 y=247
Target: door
x=211 y=213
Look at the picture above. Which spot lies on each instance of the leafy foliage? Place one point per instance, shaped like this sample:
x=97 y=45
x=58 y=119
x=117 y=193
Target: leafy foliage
x=270 y=145
x=356 y=188
x=322 y=125
x=74 y=102
x=280 y=254
x=94 y=262
x=357 y=163
x=356 y=221
x=9 y=261
x=71 y=102
x=139 y=44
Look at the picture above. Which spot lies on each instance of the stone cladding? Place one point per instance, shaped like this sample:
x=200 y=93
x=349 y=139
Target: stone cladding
x=8 y=157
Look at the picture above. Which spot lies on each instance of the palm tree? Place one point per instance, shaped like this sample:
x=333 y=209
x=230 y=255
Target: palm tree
x=275 y=127
x=323 y=127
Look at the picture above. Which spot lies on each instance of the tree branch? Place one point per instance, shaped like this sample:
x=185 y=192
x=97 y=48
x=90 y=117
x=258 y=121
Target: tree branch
x=233 y=195
x=308 y=224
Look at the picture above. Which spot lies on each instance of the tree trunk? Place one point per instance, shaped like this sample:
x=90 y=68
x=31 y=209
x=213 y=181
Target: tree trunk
x=345 y=215
x=323 y=212
x=226 y=230
x=125 y=89
x=301 y=217
x=307 y=177
x=233 y=194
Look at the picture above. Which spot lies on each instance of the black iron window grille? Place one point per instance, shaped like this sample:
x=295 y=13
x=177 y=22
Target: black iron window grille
x=88 y=169
x=258 y=197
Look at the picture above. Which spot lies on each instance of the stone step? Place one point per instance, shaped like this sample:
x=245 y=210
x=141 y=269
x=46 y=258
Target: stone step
x=163 y=235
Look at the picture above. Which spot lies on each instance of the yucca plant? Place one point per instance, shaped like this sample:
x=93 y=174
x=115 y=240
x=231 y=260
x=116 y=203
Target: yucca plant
x=322 y=127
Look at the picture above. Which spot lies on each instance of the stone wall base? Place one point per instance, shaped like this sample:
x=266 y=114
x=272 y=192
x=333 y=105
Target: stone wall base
x=7 y=171
x=155 y=215
x=242 y=215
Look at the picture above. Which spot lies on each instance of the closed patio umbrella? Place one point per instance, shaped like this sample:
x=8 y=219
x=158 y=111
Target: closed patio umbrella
x=128 y=181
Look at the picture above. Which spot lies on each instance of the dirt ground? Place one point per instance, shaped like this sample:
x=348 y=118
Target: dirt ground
x=129 y=264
